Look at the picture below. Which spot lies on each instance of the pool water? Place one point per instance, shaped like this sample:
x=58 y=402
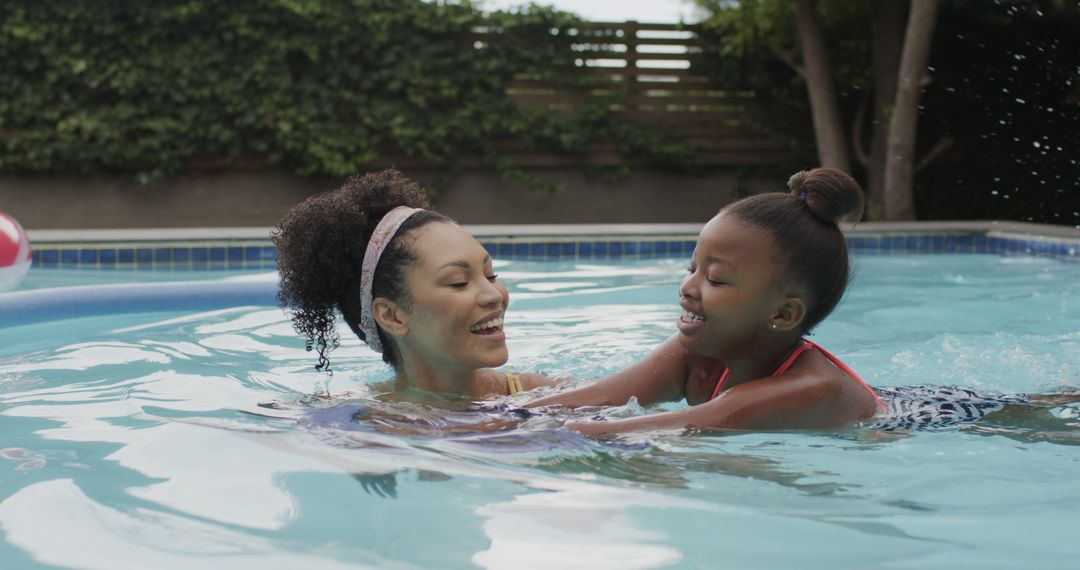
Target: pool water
x=168 y=440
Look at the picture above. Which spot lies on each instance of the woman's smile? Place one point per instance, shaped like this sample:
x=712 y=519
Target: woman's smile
x=490 y=326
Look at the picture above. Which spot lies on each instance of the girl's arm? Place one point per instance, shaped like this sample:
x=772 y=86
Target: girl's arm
x=659 y=377
x=787 y=401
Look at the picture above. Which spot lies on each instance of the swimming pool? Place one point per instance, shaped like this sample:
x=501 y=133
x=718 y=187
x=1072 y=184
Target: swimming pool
x=138 y=440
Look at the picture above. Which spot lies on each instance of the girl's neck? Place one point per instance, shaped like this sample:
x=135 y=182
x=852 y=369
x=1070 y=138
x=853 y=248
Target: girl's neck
x=762 y=361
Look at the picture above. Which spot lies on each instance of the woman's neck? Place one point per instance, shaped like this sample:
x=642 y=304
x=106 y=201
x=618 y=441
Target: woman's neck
x=418 y=375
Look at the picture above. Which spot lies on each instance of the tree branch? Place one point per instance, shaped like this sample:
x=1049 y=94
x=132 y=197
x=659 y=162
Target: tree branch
x=789 y=58
x=942 y=145
x=861 y=153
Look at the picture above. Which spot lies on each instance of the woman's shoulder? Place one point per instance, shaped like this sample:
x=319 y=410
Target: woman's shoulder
x=533 y=380
x=503 y=382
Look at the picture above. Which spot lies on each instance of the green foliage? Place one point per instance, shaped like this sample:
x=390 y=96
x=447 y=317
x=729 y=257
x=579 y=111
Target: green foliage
x=321 y=87
x=1005 y=86
x=761 y=29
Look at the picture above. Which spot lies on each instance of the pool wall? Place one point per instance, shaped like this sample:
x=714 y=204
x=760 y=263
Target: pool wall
x=250 y=248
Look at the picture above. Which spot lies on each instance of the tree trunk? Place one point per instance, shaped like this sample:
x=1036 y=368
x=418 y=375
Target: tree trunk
x=887 y=27
x=828 y=129
x=900 y=151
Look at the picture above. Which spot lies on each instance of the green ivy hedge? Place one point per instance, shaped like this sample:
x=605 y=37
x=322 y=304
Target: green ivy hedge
x=321 y=87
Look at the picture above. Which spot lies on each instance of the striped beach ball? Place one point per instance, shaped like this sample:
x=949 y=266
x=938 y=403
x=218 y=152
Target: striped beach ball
x=14 y=253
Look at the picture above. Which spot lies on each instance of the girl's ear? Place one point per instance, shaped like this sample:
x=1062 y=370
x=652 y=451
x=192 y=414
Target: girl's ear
x=788 y=315
x=390 y=316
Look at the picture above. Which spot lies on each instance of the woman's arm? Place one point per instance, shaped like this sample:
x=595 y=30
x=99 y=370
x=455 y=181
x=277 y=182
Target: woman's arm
x=658 y=377
x=781 y=402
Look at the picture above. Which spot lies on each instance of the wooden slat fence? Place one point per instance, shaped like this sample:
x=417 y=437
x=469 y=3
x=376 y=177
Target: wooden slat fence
x=655 y=63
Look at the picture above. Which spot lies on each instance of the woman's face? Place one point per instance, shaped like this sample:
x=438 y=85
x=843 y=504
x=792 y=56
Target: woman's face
x=455 y=316
x=731 y=292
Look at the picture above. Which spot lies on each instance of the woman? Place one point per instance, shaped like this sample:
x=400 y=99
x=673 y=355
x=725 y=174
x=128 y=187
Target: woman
x=408 y=281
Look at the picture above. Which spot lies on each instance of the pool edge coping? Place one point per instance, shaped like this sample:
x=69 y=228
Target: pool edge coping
x=564 y=231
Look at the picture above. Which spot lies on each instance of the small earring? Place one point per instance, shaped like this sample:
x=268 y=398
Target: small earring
x=773 y=326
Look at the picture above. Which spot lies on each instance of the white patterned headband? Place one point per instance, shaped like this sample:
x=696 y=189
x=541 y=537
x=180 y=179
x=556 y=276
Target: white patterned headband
x=380 y=238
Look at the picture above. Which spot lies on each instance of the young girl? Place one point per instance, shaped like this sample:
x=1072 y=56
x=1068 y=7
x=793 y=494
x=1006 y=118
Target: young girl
x=765 y=271
x=408 y=281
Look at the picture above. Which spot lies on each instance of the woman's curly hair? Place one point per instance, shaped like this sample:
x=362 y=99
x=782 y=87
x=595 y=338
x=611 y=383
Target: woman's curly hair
x=321 y=244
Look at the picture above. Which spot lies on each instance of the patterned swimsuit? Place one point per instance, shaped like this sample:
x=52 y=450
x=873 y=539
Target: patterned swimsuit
x=936 y=407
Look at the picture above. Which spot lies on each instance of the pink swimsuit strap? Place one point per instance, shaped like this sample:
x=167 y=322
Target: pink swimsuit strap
x=803 y=347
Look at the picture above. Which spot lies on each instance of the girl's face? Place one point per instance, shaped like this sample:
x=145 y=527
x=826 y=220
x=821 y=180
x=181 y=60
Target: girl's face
x=732 y=290
x=455 y=318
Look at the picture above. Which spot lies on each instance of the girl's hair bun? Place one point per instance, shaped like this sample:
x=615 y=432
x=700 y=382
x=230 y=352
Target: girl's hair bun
x=830 y=194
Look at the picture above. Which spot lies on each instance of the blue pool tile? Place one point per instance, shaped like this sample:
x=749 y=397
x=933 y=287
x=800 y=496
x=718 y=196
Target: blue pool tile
x=552 y=250
x=163 y=255
x=600 y=249
x=536 y=251
x=585 y=250
x=50 y=257
x=937 y=243
x=521 y=250
x=88 y=256
x=69 y=256
x=676 y=248
x=661 y=247
x=200 y=254
x=217 y=254
x=35 y=257
x=615 y=248
x=181 y=254
x=125 y=255
x=647 y=247
x=506 y=250
x=491 y=249
x=144 y=255
x=107 y=257
x=235 y=253
x=568 y=249
x=253 y=253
